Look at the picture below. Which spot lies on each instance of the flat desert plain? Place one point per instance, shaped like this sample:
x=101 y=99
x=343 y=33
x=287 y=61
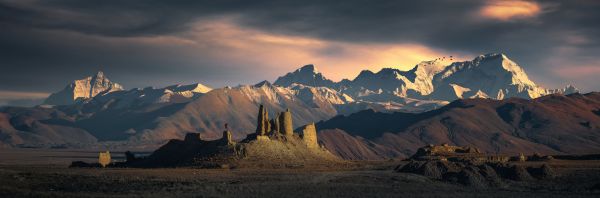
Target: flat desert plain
x=45 y=173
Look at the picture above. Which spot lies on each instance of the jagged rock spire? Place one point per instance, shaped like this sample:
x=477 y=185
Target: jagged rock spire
x=83 y=89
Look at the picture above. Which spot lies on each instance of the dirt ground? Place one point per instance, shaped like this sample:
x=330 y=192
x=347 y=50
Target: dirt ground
x=44 y=173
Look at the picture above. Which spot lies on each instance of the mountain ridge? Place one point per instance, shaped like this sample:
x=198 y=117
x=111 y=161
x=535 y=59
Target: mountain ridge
x=491 y=75
x=551 y=124
x=151 y=115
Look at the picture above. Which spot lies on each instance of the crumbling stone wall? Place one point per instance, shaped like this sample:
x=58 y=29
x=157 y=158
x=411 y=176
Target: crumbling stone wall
x=192 y=137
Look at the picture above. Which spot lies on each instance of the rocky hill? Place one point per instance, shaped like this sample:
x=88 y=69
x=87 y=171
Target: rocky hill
x=552 y=124
x=236 y=106
x=33 y=127
x=273 y=144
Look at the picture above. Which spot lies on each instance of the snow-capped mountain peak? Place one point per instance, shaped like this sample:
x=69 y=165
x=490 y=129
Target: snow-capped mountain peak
x=310 y=68
x=422 y=75
x=83 y=89
x=307 y=75
x=263 y=84
x=491 y=75
x=151 y=95
x=195 y=88
x=518 y=75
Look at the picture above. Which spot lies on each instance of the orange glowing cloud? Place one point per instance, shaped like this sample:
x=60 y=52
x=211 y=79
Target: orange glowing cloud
x=506 y=10
x=278 y=53
x=228 y=43
x=11 y=95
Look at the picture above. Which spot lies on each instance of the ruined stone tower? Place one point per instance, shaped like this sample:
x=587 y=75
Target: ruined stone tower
x=263 y=126
x=309 y=135
x=227 y=137
x=285 y=123
x=104 y=158
x=266 y=121
x=281 y=124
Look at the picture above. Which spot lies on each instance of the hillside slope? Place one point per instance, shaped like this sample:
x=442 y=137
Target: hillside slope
x=550 y=124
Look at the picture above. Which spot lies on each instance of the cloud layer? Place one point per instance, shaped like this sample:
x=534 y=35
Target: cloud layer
x=506 y=10
x=46 y=44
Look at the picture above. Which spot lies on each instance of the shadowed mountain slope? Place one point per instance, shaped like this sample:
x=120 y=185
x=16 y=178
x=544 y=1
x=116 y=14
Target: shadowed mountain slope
x=550 y=124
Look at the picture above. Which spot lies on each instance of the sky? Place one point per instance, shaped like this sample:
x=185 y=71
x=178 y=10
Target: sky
x=45 y=44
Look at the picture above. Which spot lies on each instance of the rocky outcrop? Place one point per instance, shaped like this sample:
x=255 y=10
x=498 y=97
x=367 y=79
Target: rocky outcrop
x=444 y=149
x=544 y=172
x=260 y=149
x=470 y=169
x=446 y=152
x=477 y=175
x=83 y=89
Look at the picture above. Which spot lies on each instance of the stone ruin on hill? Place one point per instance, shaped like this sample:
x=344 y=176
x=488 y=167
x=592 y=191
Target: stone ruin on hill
x=446 y=152
x=282 y=126
x=469 y=166
x=274 y=144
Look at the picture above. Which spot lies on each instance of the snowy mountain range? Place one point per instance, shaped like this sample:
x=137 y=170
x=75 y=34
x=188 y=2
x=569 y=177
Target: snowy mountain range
x=492 y=76
x=100 y=88
x=99 y=110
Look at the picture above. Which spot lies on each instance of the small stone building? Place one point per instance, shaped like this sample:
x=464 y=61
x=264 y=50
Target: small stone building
x=104 y=158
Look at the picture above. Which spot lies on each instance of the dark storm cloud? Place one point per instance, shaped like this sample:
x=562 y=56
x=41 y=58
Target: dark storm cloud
x=450 y=25
x=355 y=19
x=38 y=41
x=109 y=18
x=444 y=23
